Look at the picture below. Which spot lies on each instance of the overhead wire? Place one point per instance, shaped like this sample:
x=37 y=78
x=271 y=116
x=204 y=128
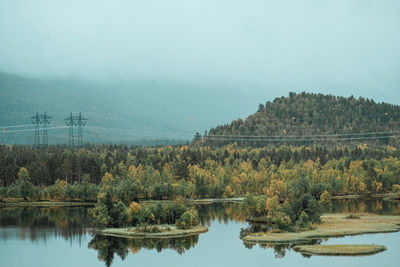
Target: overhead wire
x=320 y=135
x=298 y=140
x=31 y=130
x=218 y=137
x=17 y=126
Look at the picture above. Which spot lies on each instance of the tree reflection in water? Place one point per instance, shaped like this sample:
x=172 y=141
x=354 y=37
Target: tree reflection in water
x=108 y=246
x=38 y=223
x=281 y=248
x=221 y=211
x=376 y=206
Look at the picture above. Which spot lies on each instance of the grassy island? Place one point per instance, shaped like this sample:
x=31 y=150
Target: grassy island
x=332 y=225
x=166 y=231
x=339 y=250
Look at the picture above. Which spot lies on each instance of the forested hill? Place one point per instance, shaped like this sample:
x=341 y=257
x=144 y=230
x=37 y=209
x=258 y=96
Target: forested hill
x=308 y=116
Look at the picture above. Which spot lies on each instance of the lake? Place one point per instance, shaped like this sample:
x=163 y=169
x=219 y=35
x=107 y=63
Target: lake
x=33 y=236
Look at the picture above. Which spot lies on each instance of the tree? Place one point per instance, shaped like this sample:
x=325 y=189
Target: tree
x=101 y=212
x=60 y=186
x=24 y=184
x=135 y=216
x=325 y=202
x=188 y=219
x=119 y=214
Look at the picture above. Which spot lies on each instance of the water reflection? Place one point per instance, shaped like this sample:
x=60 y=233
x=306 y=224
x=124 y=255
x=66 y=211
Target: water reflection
x=36 y=223
x=280 y=249
x=72 y=223
x=108 y=246
x=378 y=206
x=221 y=211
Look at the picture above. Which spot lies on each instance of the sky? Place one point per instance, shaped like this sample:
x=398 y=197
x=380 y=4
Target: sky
x=252 y=50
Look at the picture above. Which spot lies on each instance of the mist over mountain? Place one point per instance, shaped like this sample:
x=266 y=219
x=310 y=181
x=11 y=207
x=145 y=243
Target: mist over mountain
x=122 y=112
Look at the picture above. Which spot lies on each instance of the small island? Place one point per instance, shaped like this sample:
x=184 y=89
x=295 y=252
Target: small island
x=332 y=225
x=339 y=250
x=147 y=220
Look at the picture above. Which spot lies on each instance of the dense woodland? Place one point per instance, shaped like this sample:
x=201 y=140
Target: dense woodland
x=305 y=115
x=195 y=172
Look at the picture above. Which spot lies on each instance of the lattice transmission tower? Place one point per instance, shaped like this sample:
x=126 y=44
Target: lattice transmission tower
x=37 y=120
x=71 y=122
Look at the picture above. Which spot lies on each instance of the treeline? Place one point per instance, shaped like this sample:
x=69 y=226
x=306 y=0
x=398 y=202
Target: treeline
x=45 y=166
x=305 y=115
x=195 y=172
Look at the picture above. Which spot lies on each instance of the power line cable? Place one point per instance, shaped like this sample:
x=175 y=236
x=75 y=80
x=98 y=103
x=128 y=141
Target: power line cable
x=299 y=136
x=30 y=130
x=300 y=140
x=16 y=126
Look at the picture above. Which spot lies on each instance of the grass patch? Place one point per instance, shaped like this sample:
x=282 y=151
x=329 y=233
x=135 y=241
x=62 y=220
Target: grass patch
x=151 y=229
x=339 y=250
x=159 y=231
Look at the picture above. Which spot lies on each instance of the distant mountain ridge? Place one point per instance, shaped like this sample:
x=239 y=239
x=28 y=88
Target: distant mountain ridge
x=306 y=115
x=112 y=117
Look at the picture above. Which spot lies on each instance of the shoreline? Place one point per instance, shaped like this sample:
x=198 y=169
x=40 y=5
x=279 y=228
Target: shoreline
x=197 y=201
x=77 y=203
x=47 y=204
x=175 y=232
x=384 y=196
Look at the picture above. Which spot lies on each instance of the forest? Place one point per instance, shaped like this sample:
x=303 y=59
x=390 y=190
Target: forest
x=135 y=173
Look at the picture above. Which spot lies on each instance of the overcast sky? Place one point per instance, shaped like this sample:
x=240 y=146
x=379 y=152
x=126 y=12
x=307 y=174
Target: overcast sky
x=261 y=48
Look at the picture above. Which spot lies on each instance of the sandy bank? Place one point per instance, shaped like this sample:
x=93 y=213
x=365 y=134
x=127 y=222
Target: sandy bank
x=339 y=250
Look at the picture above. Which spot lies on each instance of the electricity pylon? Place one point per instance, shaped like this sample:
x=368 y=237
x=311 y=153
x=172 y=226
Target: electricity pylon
x=37 y=120
x=72 y=121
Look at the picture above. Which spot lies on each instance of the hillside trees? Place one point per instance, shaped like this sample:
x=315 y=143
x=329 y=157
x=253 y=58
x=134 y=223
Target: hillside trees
x=306 y=114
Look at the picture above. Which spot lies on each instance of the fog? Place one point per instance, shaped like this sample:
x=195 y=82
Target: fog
x=249 y=51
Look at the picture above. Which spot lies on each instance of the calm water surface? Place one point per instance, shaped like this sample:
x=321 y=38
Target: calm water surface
x=61 y=237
